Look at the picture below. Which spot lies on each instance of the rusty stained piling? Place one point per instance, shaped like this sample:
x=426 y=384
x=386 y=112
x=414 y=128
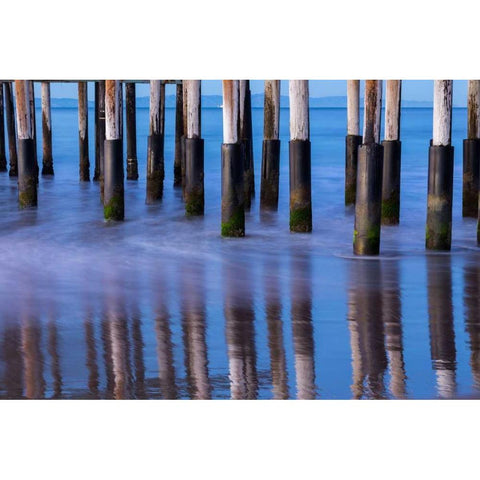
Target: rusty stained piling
x=300 y=158
x=246 y=140
x=471 y=152
x=352 y=141
x=131 y=121
x=155 y=159
x=11 y=131
x=27 y=171
x=114 y=201
x=3 y=156
x=270 y=147
x=368 y=200
x=31 y=90
x=84 y=161
x=233 y=192
x=177 y=163
x=194 y=151
x=47 y=161
x=440 y=170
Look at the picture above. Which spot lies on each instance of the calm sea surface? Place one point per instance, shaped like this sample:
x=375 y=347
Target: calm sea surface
x=160 y=306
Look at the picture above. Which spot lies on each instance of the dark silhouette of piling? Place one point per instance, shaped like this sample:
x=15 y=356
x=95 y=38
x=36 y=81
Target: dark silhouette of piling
x=3 y=157
x=194 y=151
x=114 y=202
x=184 y=134
x=392 y=150
x=31 y=89
x=440 y=170
x=352 y=141
x=84 y=161
x=179 y=131
x=233 y=192
x=47 y=161
x=155 y=159
x=368 y=202
x=11 y=131
x=246 y=140
x=471 y=152
x=27 y=171
x=131 y=113
x=100 y=137
x=300 y=158
x=270 y=147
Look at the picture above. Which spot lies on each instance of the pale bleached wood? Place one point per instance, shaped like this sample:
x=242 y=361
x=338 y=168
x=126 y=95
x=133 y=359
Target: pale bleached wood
x=82 y=110
x=46 y=106
x=392 y=109
x=271 y=108
x=155 y=87
x=473 y=109
x=353 y=107
x=372 y=111
x=442 y=112
x=22 y=97
x=299 y=115
x=112 y=110
x=193 y=88
x=231 y=114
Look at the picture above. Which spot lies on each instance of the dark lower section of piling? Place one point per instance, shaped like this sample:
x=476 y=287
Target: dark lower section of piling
x=439 y=203
x=194 y=171
x=114 y=201
x=392 y=154
x=155 y=168
x=131 y=114
x=47 y=165
x=233 y=191
x=300 y=186
x=132 y=169
x=270 y=175
x=368 y=200
x=179 y=128
x=352 y=142
x=182 y=163
x=249 y=176
x=471 y=162
x=84 y=162
x=27 y=173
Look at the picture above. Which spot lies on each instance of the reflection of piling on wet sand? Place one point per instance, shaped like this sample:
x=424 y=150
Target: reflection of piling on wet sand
x=12 y=356
x=302 y=326
x=55 y=357
x=240 y=332
x=138 y=362
x=91 y=357
x=440 y=313
x=369 y=360
x=32 y=358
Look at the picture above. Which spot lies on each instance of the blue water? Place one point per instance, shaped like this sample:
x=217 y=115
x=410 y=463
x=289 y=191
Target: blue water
x=160 y=306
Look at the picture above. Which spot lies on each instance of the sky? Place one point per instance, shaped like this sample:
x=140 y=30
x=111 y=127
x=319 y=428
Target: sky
x=413 y=90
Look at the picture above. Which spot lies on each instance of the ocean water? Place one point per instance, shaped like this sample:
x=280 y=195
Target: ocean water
x=160 y=306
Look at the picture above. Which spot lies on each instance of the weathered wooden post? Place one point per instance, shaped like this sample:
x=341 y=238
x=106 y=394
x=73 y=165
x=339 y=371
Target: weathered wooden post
x=96 y=172
x=184 y=134
x=194 y=149
x=440 y=170
x=84 y=162
x=47 y=161
x=352 y=141
x=31 y=90
x=3 y=157
x=271 y=147
x=368 y=200
x=392 y=151
x=114 y=202
x=100 y=136
x=300 y=160
x=246 y=140
x=233 y=192
x=12 y=135
x=177 y=164
x=471 y=152
x=131 y=113
x=27 y=172
x=155 y=160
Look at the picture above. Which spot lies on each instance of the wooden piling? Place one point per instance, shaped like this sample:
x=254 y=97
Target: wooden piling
x=392 y=149
x=27 y=172
x=184 y=134
x=31 y=90
x=368 y=199
x=3 y=157
x=131 y=113
x=352 y=141
x=233 y=192
x=155 y=160
x=246 y=140
x=300 y=160
x=177 y=164
x=100 y=136
x=114 y=202
x=47 y=161
x=471 y=152
x=84 y=161
x=271 y=147
x=11 y=131
x=440 y=170
x=194 y=150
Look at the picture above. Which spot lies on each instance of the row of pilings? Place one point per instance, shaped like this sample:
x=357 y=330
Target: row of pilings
x=372 y=168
